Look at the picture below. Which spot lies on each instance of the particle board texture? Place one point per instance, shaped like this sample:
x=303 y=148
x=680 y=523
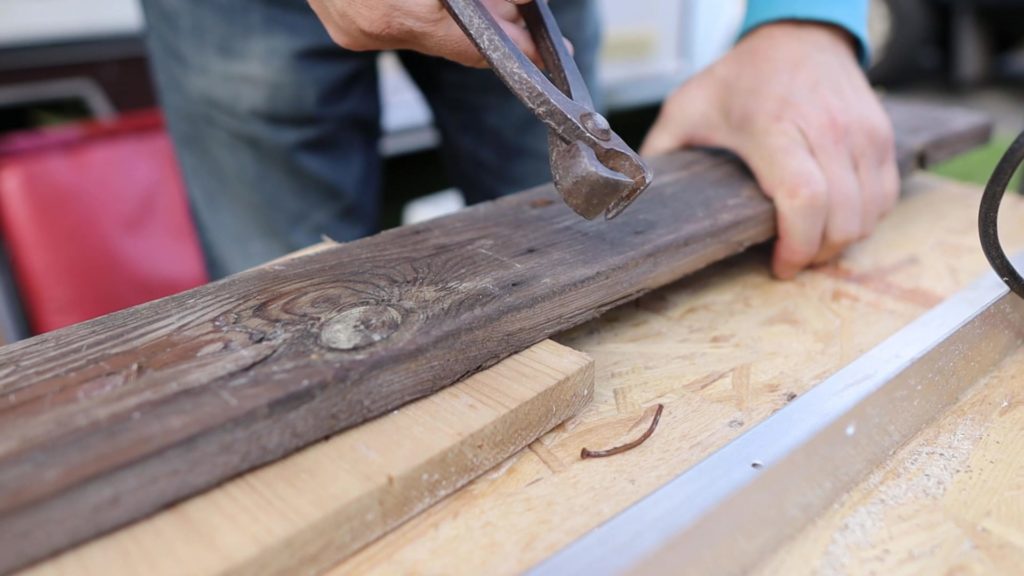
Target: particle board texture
x=722 y=350
x=951 y=501
x=121 y=416
x=317 y=506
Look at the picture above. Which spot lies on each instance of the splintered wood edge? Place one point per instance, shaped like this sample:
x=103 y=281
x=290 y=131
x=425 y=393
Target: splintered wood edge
x=553 y=382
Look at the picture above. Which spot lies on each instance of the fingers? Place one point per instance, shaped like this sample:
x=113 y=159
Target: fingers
x=886 y=172
x=858 y=160
x=789 y=173
x=667 y=134
x=451 y=42
x=679 y=124
x=424 y=26
x=848 y=207
x=890 y=182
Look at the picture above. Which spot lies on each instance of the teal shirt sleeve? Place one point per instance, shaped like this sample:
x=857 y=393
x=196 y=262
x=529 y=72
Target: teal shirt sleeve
x=851 y=15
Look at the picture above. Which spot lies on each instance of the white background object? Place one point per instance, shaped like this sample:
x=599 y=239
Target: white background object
x=432 y=206
x=650 y=47
x=30 y=22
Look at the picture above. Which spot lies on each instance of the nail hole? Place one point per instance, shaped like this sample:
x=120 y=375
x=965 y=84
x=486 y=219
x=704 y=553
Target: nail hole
x=757 y=464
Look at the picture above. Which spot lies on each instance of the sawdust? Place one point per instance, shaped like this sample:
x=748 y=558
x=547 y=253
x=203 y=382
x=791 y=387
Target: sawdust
x=919 y=474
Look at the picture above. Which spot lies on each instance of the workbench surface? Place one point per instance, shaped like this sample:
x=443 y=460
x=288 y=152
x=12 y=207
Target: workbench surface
x=951 y=501
x=723 y=350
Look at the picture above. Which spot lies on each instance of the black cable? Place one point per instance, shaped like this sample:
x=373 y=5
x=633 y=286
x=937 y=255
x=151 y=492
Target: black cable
x=988 y=216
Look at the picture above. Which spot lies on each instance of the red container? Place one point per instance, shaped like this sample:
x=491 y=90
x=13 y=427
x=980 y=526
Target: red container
x=95 y=219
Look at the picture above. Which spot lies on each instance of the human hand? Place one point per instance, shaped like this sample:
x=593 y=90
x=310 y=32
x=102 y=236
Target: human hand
x=420 y=25
x=792 y=102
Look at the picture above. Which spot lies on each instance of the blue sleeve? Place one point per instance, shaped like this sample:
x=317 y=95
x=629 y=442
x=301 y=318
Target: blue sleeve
x=851 y=15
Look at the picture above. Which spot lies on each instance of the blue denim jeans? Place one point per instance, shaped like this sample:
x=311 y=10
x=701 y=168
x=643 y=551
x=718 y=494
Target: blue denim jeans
x=276 y=128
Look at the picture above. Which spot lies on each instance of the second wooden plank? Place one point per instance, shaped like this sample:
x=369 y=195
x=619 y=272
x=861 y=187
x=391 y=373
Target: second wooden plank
x=316 y=507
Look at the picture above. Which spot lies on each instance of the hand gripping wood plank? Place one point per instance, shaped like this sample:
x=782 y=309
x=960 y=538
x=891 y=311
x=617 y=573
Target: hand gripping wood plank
x=113 y=419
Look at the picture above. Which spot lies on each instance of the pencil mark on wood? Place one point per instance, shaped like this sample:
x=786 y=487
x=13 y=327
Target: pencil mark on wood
x=550 y=460
x=740 y=381
x=624 y=400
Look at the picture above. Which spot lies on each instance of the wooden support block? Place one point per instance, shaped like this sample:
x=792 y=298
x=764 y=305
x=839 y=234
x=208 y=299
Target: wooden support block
x=316 y=507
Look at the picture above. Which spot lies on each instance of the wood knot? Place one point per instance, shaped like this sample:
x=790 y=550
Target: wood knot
x=360 y=327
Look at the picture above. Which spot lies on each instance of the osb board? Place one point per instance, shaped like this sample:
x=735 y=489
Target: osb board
x=951 y=501
x=722 y=350
x=306 y=512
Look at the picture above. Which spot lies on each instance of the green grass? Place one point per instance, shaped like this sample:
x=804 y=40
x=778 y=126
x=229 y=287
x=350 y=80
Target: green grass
x=976 y=166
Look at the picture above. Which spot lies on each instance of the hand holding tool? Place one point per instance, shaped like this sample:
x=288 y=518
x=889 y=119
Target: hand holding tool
x=593 y=169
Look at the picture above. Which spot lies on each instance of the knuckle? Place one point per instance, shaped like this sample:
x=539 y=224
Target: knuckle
x=355 y=43
x=378 y=29
x=834 y=128
x=806 y=191
x=351 y=36
x=768 y=122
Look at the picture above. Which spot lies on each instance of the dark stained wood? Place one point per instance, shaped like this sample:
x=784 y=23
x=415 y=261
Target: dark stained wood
x=112 y=419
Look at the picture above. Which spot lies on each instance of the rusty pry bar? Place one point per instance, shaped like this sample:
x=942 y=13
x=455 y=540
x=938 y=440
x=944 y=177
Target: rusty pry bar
x=593 y=169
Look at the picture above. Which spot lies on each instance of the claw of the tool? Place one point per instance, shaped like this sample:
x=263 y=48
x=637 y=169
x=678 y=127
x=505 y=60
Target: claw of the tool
x=588 y=186
x=641 y=181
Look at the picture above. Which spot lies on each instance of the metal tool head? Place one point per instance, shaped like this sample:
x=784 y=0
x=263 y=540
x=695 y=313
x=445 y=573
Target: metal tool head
x=591 y=186
x=593 y=169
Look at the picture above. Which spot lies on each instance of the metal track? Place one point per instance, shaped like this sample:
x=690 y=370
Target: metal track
x=730 y=511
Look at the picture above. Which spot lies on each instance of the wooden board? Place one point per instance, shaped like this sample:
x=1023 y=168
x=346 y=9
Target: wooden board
x=317 y=506
x=120 y=416
x=722 y=350
x=949 y=502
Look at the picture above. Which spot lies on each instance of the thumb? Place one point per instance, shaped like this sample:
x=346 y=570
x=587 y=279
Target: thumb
x=683 y=121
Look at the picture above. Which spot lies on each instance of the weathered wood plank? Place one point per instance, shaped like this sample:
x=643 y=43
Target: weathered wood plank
x=115 y=418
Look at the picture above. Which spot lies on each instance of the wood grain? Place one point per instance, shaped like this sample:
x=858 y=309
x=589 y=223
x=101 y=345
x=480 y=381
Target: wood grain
x=315 y=507
x=722 y=350
x=118 y=417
